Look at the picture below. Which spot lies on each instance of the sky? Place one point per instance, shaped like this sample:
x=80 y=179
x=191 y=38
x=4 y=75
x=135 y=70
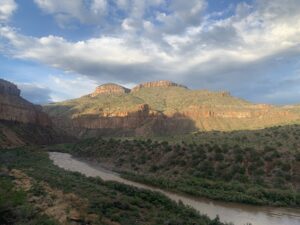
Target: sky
x=60 y=49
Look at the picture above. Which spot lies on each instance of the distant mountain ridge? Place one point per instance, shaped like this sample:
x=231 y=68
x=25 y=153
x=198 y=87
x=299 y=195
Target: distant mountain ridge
x=162 y=108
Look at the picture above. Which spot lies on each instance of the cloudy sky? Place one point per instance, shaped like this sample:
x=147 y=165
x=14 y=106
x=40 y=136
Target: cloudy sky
x=61 y=49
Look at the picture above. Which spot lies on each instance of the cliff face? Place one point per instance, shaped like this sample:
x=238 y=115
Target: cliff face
x=14 y=108
x=124 y=120
x=238 y=118
x=162 y=108
x=22 y=122
x=142 y=122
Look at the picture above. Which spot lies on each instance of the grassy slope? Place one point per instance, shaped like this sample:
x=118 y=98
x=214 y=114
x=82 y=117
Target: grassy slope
x=110 y=201
x=176 y=98
x=242 y=166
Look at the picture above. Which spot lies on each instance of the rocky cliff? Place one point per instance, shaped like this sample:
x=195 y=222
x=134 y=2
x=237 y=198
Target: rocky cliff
x=162 y=108
x=22 y=122
x=14 y=108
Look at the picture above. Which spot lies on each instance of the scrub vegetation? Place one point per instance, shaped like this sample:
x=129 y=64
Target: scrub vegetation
x=256 y=167
x=31 y=189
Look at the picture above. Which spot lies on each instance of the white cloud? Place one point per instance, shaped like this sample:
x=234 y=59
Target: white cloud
x=98 y=50
x=183 y=14
x=133 y=12
x=65 y=11
x=242 y=38
x=178 y=43
x=98 y=7
x=7 y=8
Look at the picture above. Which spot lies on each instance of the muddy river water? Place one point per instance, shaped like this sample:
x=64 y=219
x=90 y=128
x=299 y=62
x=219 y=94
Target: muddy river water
x=239 y=214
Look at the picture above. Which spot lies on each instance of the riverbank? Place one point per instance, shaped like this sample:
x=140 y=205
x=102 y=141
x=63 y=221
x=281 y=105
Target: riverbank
x=91 y=198
x=259 y=176
x=240 y=214
x=219 y=190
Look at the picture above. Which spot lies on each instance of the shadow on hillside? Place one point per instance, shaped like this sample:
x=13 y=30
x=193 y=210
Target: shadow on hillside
x=167 y=125
x=15 y=134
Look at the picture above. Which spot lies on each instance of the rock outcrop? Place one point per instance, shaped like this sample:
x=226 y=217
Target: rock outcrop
x=160 y=83
x=110 y=89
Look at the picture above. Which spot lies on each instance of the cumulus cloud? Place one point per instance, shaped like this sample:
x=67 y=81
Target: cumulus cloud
x=183 y=14
x=65 y=11
x=7 y=8
x=101 y=57
x=170 y=40
x=131 y=15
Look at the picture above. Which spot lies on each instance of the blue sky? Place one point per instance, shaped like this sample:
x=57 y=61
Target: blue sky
x=61 y=49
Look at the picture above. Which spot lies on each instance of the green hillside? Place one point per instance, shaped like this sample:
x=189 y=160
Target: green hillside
x=177 y=98
x=256 y=167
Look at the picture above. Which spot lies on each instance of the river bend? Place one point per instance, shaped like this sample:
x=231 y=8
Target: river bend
x=239 y=214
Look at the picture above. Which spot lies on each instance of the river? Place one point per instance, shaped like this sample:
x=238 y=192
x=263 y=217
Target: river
x=239 y=214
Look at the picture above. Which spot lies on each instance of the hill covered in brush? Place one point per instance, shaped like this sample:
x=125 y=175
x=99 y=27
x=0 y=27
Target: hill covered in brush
x=254 y=167
x=160 y=108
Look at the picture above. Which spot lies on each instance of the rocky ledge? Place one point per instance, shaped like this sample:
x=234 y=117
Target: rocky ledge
x=160 y=83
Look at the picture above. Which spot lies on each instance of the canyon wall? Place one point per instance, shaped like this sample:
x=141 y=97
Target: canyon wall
x=146 y=122
x=23 y=123
x=14 y=108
